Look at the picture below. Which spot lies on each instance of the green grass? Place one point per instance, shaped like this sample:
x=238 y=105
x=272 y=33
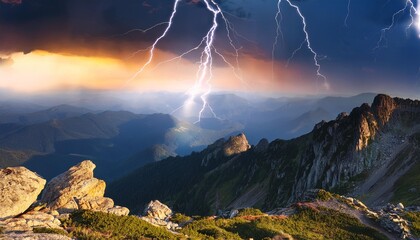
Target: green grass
x=414 y=218
x=97 y=225
x=323 y=195
x=209 y=229
x=180 y=218
x=407 y=188
x=249 y=212
x=306 y=224
x=50 y=230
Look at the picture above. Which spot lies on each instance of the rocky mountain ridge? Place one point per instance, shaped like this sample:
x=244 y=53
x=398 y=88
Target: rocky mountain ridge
x=372 y=147
x=73 y=205
x=372 y=153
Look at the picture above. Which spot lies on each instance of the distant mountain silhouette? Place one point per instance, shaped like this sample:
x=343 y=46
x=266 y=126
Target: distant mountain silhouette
x=109 y=138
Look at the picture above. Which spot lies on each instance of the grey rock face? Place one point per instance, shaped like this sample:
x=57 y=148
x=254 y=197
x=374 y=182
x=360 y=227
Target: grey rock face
x=352 y=144
x=19 y=188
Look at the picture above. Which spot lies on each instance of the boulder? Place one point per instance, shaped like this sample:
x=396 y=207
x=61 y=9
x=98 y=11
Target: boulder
x=233 y=213
x=19 y=188
x=95 y=203
x=157 y=210
x=158 y=214
x=77 y=183
x=78 y=189
x=118 y=210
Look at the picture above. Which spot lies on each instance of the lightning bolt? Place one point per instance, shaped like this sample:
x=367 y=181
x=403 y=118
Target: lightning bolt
x=295 y=52
x=152 y=48
x=145 y=30
x=348 y=14
x=179 y=57
x=202 y=87
x=279 y=33
x=307 y=40
x=205 y=73
x=413 y=12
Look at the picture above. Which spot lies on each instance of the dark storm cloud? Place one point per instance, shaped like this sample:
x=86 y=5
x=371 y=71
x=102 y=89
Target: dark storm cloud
x=97 y=27
x=73 y=24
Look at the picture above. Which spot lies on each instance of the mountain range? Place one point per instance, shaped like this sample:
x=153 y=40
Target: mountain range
x=49 y=139
x=109 y=138
x=371 y=153
x=307 y=187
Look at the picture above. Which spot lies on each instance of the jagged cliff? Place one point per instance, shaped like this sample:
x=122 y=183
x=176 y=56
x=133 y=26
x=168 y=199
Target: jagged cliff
x=357 y=145
x=363 y=153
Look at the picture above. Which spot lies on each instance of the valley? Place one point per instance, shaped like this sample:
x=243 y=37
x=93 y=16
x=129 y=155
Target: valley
x=371 y=154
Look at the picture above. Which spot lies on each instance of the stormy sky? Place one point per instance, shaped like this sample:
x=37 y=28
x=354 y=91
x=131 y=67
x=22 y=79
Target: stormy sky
x=47 y=45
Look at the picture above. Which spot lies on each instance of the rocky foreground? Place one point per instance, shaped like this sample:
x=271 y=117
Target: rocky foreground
x=73 y=206
x=76 y=189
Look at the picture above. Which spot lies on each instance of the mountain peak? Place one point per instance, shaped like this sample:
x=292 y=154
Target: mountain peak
x=383 y=106
x=235 y=145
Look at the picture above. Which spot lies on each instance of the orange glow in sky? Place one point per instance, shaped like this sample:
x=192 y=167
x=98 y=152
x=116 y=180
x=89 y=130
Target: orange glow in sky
x=46 y=71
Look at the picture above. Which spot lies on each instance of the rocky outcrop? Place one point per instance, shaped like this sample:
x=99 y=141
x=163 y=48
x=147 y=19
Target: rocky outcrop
x=30 y=220
x=225 y=148
x=78 y=189
x=360 y=142
x=383 y=106
x=158 y=210
x=391 y=218
x=19 y=188
x=78 y=182
x=74 y=189
x=101 y=204
x=159 y=214
x=236 y=144
x=118 y=210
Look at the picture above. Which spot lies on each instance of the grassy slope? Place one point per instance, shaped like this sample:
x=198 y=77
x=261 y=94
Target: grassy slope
x=407 y=188
x=97 y=225
x=307 y=223
x=414 y=217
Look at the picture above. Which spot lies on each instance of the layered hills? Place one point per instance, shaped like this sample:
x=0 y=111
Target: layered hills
x=49 y=139
x=109 y=138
